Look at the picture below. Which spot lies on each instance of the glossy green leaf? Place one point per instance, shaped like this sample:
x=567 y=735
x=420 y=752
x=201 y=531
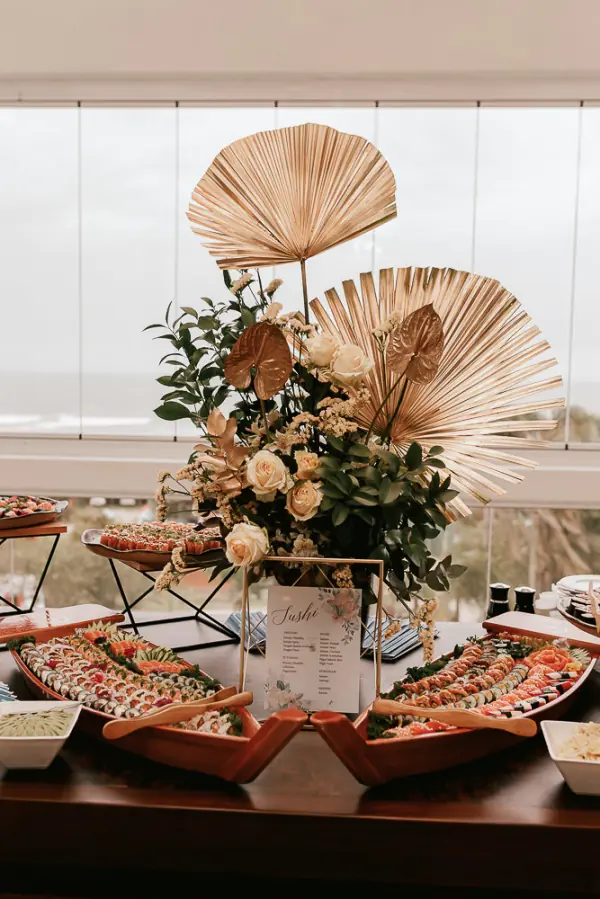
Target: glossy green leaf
x=172 y=412
x=414 y=456
x=340 y=514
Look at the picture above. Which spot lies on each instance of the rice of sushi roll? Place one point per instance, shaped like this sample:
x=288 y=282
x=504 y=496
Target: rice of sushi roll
x=119 y=710
x=110 y=706
x=132 y=713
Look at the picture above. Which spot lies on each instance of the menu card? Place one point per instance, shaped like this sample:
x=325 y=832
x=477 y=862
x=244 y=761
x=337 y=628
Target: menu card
x=313 y=649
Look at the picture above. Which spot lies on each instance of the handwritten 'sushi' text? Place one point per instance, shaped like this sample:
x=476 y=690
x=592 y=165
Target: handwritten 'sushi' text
x=280 y=616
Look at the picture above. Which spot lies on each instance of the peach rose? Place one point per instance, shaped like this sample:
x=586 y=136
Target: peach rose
x=267 y=474
x=307 y=465
x=349 y=364
x=246 y=544
x=321 y=348
x=303 y=500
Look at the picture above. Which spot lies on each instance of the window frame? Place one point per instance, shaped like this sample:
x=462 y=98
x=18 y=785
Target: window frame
x=567 y=476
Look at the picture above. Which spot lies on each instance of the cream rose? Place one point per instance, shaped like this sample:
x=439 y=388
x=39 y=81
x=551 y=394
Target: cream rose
x=350 y=364
x=303 y=500
x=321 y=348
x=267 y=474
x=246 y=544
x=307 y=465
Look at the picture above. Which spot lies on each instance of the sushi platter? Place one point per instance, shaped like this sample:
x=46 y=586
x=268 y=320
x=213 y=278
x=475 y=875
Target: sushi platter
x=504 y=675
x=578 y=600
x=47 y=620
x=151 y=544
x=117 y=675
x=19 y=511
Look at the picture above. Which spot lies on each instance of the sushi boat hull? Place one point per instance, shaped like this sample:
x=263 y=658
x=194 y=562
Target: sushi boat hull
x=375 y=762
x=233 y=758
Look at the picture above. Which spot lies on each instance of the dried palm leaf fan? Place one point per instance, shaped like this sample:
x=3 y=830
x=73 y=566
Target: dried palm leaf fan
x=286 y=195
x=460 y=372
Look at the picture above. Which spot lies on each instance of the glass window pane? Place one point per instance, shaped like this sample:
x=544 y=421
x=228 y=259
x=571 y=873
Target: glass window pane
x=128 y=168
x=466 y=540
x=526 y=197
x=39 y=363
x=432 y=154
x=203 y=132
x=537 y=547
x=348 y=260
x=585 y=372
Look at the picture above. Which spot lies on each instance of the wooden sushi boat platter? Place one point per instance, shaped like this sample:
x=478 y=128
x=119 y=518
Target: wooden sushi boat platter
x=515 y=671
x=122 y=677
x=157 y=705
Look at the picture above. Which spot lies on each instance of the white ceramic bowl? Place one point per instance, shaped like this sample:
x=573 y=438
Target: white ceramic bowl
x=582 y=777
x=34 y=752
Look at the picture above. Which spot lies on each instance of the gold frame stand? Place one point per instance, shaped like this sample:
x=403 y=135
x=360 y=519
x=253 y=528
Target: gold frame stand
x=318 y=561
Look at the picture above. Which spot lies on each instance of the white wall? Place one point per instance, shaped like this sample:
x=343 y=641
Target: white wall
x=333 y=49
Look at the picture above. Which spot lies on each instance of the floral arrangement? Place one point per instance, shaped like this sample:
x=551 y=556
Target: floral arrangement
x=290 y=471
x=352 y=429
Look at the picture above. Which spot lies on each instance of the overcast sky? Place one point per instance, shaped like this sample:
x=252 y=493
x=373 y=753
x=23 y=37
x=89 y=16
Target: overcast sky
x=497 y=195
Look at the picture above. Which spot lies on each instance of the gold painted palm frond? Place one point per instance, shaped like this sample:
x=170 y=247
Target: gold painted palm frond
x=486 y=382
x=285 y=195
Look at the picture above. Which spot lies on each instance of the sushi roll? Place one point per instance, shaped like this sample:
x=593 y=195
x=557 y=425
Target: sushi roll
x=119 y=710
x=563 y=686
x=110 y=706
x=523 y=706
x=132 y=713
x=100 y=704
x=513 y=713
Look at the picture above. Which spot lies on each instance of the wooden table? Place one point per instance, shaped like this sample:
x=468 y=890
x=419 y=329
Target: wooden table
x=506 y=822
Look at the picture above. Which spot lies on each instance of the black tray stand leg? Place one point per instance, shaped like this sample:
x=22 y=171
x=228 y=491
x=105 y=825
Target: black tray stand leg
x=228 y=636
x=15 y=610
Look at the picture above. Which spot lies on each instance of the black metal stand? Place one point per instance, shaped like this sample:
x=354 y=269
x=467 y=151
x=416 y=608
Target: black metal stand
x=200 y=616
x=15 y=609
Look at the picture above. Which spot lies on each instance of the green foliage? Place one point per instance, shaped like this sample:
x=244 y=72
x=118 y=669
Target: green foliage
x=391 y=504
x=200 y=343
x=16 y=643
x=375 y=502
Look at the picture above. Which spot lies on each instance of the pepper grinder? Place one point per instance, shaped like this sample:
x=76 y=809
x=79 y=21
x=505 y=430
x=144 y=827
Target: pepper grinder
x=524 y=600
x=498 y=600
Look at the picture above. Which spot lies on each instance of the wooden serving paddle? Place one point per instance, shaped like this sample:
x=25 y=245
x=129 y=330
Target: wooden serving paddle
x=176 y=712
x=522 y=727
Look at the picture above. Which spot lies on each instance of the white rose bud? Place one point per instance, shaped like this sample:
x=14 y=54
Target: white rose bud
x=246 y=544
x=349 y=364
x=267 y=474
x=303 y=500
x=307 y=465
x=320 y=349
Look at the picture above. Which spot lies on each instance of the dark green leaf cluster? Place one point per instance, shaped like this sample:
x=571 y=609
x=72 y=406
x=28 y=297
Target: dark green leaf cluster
x=392 y=504
x=200 y=343
x=15 y=644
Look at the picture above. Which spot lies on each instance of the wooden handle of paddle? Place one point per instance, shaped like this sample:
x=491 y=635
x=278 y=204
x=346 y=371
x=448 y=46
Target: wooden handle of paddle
x=177 y=712
x=521 y=727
